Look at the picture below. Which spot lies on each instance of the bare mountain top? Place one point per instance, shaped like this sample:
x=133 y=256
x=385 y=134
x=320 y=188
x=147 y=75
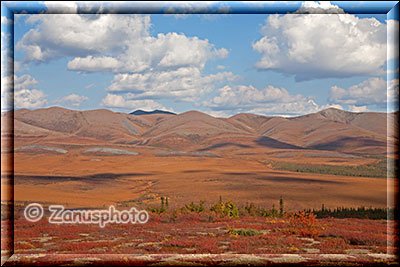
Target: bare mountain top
x=330 y=129
x=157 y=111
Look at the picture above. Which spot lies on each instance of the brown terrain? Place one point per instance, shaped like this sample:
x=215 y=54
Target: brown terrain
x=99 y=157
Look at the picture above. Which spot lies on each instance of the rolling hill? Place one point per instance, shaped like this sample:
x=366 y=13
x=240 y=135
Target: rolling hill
x=330 y=129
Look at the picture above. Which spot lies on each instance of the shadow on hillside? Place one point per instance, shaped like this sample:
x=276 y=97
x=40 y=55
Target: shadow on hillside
x=223 y=145
x=349 y=141
x=100 y=177
x=273 y=143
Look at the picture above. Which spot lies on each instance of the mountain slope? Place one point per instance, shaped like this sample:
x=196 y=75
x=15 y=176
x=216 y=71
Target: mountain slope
x=331 y=129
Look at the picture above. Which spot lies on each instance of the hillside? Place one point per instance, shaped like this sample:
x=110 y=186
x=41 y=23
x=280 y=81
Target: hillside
x=330 y=130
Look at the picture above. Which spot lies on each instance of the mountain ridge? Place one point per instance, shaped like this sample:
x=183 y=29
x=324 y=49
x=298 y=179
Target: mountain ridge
x=330 y=129
x=139 y=112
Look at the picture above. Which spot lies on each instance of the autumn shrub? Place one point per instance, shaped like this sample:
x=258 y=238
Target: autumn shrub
x=304 y=224
x=252 y=210
x=195 y=208
x=228 y=209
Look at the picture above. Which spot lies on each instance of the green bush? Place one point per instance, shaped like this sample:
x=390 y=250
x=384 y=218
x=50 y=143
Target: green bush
x=243 y=232
x=366 y=170
x=228 y=209
x=195 y=208
x=252 y=210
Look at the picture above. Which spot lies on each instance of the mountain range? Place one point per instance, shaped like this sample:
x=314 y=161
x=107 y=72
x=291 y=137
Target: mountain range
x=157 y=111
x=330 y=130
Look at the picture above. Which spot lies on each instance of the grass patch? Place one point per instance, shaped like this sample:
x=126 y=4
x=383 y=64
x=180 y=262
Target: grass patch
x=377 y=169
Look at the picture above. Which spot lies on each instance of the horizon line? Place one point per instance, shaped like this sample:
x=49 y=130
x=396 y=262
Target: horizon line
x=290 y=115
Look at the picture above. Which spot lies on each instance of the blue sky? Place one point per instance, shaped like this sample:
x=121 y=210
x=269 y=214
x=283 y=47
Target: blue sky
x=221 y=64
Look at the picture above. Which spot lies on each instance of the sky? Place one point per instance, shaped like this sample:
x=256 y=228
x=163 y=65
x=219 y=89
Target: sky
x=220 y=64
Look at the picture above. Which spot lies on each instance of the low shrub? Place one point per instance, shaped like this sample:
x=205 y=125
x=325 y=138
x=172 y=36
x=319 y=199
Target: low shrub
x=304 y=224
x=243 y=232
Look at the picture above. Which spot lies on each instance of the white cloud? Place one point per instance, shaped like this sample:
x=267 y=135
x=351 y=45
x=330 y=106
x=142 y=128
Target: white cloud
x=321 y=7
x=26 y=98
x=24 y=82
x=118 y=101
x=112 y=43
x=270 y=100
x=166 y=65
x=72 y=100
x=148 y=53
x=95 y=64
x=218 y=113
x=185 y=84
x=82 y=35
x=321 y=46
x=337 y=106
x=369 y=92
x=357 y=108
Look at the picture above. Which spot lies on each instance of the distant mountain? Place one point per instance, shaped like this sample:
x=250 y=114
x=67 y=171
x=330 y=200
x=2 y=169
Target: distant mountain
x=157 y=111
x=331 y=129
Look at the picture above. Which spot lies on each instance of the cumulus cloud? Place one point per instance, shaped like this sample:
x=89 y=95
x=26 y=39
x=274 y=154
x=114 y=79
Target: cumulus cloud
x=270 y=100
x=166 y=65
x=165 y=51
x=26 y=98
x=112 y=43
x=81 y=35
x=72 y=100
x=181 y=84
x=322 y=46
x=118 y=101
x=369 y=92
x=321 y=7
x=357 y=108
x=24 y=82
x=337 y=106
